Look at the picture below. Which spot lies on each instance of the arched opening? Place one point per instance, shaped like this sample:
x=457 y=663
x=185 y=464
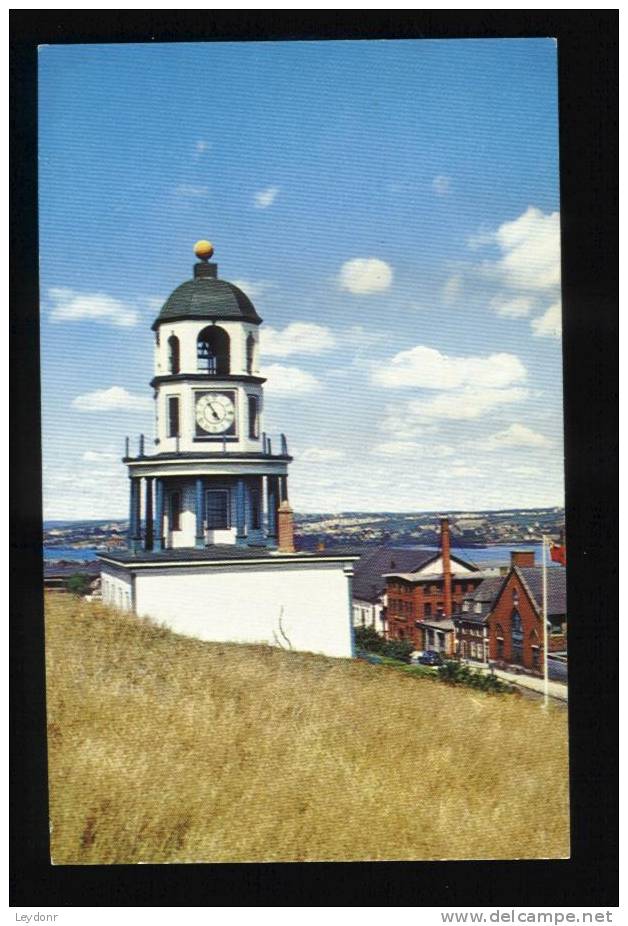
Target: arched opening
x=212 y=351
x=516 y=637
x=173 y=354
x=250 y=353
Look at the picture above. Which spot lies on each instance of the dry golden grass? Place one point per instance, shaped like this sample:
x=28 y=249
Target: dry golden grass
x=167 y=749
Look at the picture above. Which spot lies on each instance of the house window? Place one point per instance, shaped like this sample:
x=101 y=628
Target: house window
x=253 y=417
x=477 y=607
x=427 y=609
x=535 y=657
x=173 y=416
x=217 y=509
x=174 y=511
x=556 y=626
x=455 y=607
x=173 y=354
x=465 y=605
x=212 y=351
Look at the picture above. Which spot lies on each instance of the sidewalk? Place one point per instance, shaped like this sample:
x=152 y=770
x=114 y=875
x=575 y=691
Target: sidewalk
x=555 y=689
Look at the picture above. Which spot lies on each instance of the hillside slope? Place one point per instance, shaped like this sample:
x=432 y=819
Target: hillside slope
x=163 y=748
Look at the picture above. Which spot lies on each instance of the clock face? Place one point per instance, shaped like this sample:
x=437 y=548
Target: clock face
x=215 y=413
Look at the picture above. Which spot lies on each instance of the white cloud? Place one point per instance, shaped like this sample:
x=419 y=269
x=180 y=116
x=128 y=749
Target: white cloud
x=466 y=403
x=364 y=275
x=201 y=147
x=411 y=449
x=192 y=190
x=508 y=307
x=530 y=248
x=517 y=435
x=524 y=470
x=405 y=449
x=452 y=289
x=428 y=368
x=290 y=381
x=69 y=306
x=463 y=470
x=114 y=398
x=98 y=456
x=296 y=338
x=480 y=239
x=321 y=455
x=254 y=289
x=265 y=198
x=441 y=184
x=548 y=325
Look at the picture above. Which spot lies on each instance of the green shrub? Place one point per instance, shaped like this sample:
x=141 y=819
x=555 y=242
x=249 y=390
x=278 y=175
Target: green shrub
x=78 y=584
x=398 y=649
x=455 y=673
x=368 y=638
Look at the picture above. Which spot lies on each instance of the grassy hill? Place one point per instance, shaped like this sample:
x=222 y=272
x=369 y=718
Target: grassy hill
x=168 y=749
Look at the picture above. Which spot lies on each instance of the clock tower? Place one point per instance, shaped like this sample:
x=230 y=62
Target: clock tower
x=214 y=476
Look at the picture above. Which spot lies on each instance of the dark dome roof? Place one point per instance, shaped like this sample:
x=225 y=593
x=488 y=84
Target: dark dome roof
x=206 y=297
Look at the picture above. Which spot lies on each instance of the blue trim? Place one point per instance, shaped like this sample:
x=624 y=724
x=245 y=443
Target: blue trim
x=272 y=509
x=148 y=530
x=136 y=513
x=158 y=540
x=240 y=510
x=200 y=538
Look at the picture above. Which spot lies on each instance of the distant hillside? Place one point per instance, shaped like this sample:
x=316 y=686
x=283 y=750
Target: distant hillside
x=468 y=528
x=167 y=749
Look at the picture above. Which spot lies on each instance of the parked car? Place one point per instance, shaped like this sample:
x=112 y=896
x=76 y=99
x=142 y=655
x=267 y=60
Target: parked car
x=430 y=658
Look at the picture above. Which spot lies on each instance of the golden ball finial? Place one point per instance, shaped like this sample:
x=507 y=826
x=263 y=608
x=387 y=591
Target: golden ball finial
x=204 y=249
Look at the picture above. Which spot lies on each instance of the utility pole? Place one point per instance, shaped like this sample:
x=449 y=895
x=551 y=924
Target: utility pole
x=545 y=664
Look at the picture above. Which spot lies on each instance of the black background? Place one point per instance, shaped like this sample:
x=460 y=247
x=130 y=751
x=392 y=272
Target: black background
x=587 y=58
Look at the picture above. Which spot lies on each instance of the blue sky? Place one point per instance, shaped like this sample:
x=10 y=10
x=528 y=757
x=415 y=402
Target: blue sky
x=398 y=199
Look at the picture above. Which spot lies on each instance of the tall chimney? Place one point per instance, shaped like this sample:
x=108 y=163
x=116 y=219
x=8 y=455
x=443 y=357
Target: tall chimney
x=445 y=546
x=285 y=528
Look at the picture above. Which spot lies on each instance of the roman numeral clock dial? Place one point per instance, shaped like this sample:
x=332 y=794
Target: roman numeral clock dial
x=215 y=413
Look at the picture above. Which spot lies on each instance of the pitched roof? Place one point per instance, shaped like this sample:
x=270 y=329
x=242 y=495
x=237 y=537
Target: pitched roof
x=369 y=571
x=556 y=586
x=485 y=595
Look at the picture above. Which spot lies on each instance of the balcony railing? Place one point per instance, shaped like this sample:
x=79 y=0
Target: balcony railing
x=266 y=449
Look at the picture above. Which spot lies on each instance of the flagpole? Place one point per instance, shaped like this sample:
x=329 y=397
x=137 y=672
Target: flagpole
x=545 y=669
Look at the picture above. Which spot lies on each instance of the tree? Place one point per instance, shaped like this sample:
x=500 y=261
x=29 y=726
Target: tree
x=78 y=584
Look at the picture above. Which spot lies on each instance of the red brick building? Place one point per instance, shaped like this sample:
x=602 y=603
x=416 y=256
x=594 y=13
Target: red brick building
x=515 y=623
x=420 y=605
x=471 y=624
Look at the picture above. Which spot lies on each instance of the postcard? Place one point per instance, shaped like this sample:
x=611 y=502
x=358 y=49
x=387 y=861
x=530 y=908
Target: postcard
x=302 y=430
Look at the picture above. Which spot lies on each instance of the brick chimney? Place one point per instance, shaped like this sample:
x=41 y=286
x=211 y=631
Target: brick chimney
x=522 y=557
x=445 y=546
x=285 y=528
